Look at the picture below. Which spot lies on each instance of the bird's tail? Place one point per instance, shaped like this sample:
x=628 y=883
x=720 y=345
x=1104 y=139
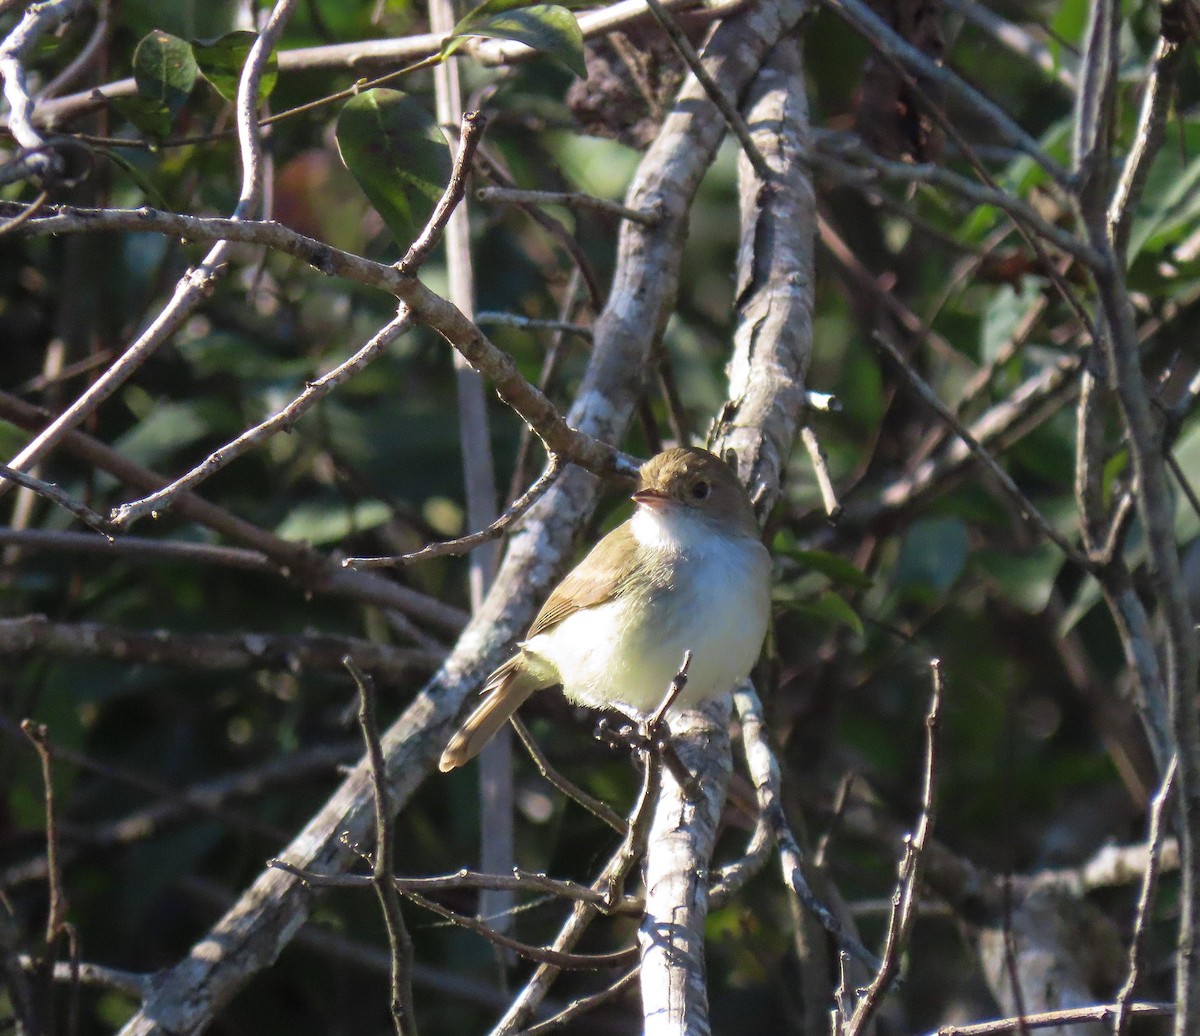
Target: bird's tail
x=506 y=689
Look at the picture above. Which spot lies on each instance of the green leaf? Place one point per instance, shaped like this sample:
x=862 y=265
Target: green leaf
x=319 y=523
x=832 y=565
x=138 y=177
x=166 y=429
x=165 y=72
x=1026 y=580
x=932 y=556
x=549 y=29
x=1004 y=314
x=398 y=155
x=1187 y=455
x=220 y=61
x=1087 y=596
x=830 y=606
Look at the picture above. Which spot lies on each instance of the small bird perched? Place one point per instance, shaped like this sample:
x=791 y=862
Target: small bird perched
x=687 y=572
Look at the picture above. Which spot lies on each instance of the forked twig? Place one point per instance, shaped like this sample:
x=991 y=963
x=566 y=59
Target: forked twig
x=1154 y=844
x=764 y=773
x=904 y=899
x=55 y=495
x=399 y=942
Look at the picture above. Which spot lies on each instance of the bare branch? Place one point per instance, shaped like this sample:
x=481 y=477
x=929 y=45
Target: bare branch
x=470 y=132
x=1017 y=39
x=905 y=898
x=465 y=543
x=601 y=810
x=584 y=1004
x=40 y=163
x=1137 y=942
x=888 y=41
x=732 y=116
x=127 y=514
x=568 y=199
x=56 y=915
x=519 y=881
x=847 y=158
x=51 y=492
x=1054 y=1019
x=208 y=651
x=1028 y=510
x=403 y=1015
x=131 y=983
x=671 y=935
x=820 y=465
x=764 y=773
x=532 y=323
x=198 y=283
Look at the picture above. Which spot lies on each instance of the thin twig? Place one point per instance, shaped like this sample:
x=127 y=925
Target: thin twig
x=403 y=1014
x=295 y=562
x=470 y=133
x=733 y=118
x=198 y=283
x=550 y=363
x=518 y=881
x=580 y=1007
x=599 y=809
x=568 y=199
x=1055 y=1019
x=546 y=958
x=532 y=323
x=1056 y=64
x=56 y=915
x=131 y=983
x=609 y=883
x=1137 y=942
x=492 y=166
x=904 y=900
x=465 y=543
x=764 y=773
x=1158 y=92
x=1183 y=481
x=174 y=805
x=208 y=651
x=52 y=493
x=836 y=151
x=462 y=333
x=127 y=514
x=730 y=878
x=816 y=455
x=35 y=206
x=841 y=799
x=83 y=59
x=889 y=43
x=1028 y=510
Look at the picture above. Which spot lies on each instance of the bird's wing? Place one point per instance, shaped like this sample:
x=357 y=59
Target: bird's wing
x=599 y=577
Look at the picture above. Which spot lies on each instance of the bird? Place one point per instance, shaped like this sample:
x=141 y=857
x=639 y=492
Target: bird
x=686 y=572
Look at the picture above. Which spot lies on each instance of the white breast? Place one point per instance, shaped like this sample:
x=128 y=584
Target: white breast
x=714 y=600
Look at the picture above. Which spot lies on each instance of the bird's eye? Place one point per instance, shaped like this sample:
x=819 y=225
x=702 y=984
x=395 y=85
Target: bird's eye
x=701 y=490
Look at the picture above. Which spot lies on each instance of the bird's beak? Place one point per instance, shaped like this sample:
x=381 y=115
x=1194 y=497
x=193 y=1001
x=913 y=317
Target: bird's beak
x=650 y=497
